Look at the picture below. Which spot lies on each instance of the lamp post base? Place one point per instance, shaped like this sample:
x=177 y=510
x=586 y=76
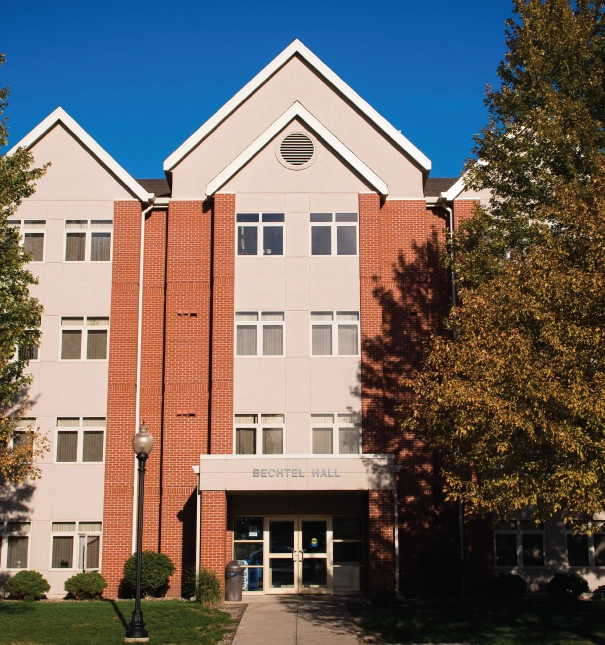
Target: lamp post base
x=136 y=632
x=136 y=640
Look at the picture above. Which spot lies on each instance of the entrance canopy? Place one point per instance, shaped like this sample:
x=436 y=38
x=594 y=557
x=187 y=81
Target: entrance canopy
x=296 y=472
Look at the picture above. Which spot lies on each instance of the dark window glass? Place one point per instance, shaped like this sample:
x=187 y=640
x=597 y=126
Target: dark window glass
x=273 y=217
x=17 y=552
x=577 y=550
x=314 y=534
x=100 y=247
x=97 y=345
x=247 y=217
x=34 y=244
x=63 y=550
x=321 y=240
x=75 y=247
x=599 y=550
x=321 y=217
x=533 y=549
x=346 y=240
x=506 y=550
x=346 y=217
x=92 y=448
x=273 y=240
x=67 y=446
x=250 y=552
x=247 y=240
x=71 y=347
x=28 y=353
x=347 y=552
x=281 y=536
x=245 y=441
x=347 y=528
x=249 y=528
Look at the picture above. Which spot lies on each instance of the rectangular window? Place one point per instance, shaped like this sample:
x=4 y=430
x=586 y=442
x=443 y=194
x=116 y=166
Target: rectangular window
x=266 y=437
x=322 y=441
x=334 y=233
x=97 y=239
x=63 y=552
x=519 y=543
x=336 y=433
x=17 y=552
x=533 y=549
x=266 y=228
x=577 y=550
x=27 y=353
x=81 y=443
x=89 y=546
x=338 y=333
x=259 y=333
x=33 y=238
x=248 y=551
x=506 y=549
x=94 y=335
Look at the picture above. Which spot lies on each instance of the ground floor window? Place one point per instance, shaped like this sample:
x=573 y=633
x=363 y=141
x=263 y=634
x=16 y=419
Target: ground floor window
x=585 y=550
x=248 y=551
x=14 y=544
x=519 y=543
x=76 y=545
x=348 y=550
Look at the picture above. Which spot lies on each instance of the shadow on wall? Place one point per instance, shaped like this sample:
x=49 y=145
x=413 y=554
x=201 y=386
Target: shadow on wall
x=187 y=517
x=414 y=299
x=15 y=500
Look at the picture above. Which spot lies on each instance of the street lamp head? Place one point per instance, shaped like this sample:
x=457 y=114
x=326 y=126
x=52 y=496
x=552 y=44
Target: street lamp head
x=142 y=442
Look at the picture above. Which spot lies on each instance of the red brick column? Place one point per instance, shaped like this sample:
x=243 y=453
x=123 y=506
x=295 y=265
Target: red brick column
x=119 y=458
x=223 y=269
x=382 y=549
x=216 y=548
x=186 y=378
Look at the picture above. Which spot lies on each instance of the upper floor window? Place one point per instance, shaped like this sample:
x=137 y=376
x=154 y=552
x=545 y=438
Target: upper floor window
x=80 y=440
x=90 y=333
x=32 y=233
x=336 y=433
x=86 y=240
x=259 y=333
x=260 y=233
x=266 y=437
x=334 y=333
x=334 y=233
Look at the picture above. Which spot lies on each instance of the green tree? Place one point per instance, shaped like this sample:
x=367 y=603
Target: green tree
x=515 y=404
x=19 y=311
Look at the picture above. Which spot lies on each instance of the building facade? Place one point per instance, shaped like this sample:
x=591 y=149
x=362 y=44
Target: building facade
x=257 y=308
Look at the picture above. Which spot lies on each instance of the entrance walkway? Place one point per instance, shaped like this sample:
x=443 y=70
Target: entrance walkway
x=296 y=620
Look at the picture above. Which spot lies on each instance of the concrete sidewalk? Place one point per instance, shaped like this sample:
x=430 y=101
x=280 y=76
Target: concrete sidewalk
x=295 y=620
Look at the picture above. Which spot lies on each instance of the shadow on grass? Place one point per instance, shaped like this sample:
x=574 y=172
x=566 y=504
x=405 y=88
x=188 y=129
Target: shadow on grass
x=119 y=614
x=15 y=608
x=527 y=622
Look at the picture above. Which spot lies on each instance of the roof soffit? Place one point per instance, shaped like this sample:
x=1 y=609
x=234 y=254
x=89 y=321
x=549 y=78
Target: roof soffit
x=297 y=48
x=60 y=116
x=297 y=111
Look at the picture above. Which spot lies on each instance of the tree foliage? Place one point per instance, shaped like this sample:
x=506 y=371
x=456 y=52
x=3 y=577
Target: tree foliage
x=515 y=404
x=19 y=311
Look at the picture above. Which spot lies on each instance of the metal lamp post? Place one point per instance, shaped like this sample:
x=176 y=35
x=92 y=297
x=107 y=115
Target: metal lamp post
x=142 y=444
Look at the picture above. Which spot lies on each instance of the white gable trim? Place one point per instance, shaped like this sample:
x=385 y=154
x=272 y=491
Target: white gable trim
x=293 y=49
x=296 y=110
x=454 y=190
x=60 y=116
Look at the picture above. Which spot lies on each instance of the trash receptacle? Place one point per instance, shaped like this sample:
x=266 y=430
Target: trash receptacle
x=233 y=581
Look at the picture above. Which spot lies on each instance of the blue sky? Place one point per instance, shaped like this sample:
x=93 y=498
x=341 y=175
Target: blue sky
x=140 y=77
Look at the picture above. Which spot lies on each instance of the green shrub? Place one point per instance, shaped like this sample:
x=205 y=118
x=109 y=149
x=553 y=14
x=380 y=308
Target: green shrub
x=567 y=586
x=382 y=597
x=86 y=586
x=156 y=569
x=204 y=586
x=26 y=585
x=507 y=586
x=441 y=573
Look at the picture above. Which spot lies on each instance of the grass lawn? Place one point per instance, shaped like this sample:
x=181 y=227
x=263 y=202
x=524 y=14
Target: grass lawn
x=104 y=623
x=526 y=622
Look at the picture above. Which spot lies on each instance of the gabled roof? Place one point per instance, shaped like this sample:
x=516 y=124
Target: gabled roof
x=454 y=191
x=297 y=110
x=294 y=49
x=434 y=186
x=60 y=116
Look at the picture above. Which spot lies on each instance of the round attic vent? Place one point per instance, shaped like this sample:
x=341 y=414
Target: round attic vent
x=297 y=149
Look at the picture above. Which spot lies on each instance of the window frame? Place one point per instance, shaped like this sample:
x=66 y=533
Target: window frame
x=88 y=231
x=84 y=328
x=519 y=532
x=259 y=225
x=5 y=535
x=76 y=534
x=80 y=430
x=259 y=323
x=336 y=427
x=258 y=427
x=591 y=547
x=333 y=224
x=23 y=230
x=334 y=323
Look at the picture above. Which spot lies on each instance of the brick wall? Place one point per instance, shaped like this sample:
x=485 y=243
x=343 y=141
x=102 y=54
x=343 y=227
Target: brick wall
x=119 y=458
x=381 y=546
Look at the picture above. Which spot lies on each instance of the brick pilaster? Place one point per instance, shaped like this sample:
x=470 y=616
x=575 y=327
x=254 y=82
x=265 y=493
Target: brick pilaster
x=216 y=545
x=382 y=552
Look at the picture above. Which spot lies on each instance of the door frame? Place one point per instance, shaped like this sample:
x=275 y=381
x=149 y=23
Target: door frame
x=298 y=555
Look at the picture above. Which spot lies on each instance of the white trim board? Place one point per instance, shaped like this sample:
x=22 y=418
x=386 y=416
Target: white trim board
x=60 y=116
x=296 y=48
x=296 y=110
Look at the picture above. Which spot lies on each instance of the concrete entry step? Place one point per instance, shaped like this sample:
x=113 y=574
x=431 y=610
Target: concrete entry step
x=296 y=620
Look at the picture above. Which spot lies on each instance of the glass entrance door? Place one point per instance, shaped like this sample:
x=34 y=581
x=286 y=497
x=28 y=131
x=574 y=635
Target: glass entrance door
x=298 y=555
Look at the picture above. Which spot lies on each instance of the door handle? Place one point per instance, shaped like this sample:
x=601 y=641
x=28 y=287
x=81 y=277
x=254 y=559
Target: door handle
x=302 y=555
x=294 y=556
